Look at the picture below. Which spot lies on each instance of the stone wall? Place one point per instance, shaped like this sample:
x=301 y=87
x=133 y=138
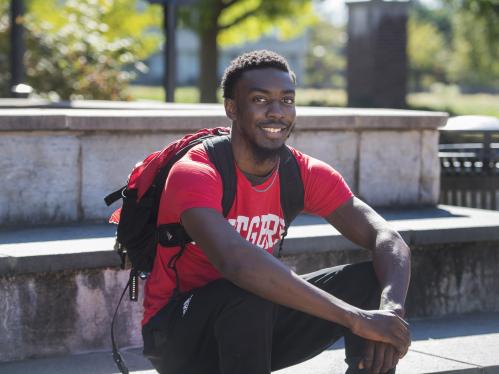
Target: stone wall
x=60 y=312
x=58 y=164
x=447 y=279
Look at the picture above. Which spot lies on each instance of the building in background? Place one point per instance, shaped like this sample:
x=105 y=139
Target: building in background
x=294 y=50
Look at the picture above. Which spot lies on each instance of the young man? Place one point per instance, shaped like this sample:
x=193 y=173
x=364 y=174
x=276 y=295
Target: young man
x=240 y=310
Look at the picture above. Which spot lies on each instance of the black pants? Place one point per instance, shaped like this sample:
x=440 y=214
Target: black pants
x=223 y=329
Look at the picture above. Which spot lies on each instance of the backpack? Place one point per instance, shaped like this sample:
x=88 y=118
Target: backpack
x=138 y=234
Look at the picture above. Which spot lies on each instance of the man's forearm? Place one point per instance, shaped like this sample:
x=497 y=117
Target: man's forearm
x=391 y=256
x=392 y=263
x=269 y=278
x=264 y=275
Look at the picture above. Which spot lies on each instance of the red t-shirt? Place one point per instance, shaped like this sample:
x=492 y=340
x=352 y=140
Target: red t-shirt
x=193 y=182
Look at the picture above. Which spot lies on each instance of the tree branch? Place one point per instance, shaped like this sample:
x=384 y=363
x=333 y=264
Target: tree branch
x=228 y=4
x=238 y=19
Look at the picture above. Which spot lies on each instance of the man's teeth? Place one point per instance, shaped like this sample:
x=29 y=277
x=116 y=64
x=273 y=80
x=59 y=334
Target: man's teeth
x=271 y=129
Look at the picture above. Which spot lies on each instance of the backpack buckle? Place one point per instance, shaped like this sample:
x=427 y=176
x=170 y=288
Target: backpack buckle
x=172 y=235
x=122 y=252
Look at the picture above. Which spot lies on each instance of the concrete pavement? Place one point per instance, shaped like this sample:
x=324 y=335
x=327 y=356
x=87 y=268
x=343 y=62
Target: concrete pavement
x=465 y=344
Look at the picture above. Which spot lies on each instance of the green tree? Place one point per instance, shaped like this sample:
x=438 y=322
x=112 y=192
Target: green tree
x=475 y=58
x=429 y=45
x=428 y=54
x=117 y=19
x=325 y=62
x=474 y=63
x=229 y=22
x=456 y=42
x=83 y=48
x=486 y=11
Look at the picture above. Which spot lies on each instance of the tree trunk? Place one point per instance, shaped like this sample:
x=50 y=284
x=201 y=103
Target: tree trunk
x=208 y=64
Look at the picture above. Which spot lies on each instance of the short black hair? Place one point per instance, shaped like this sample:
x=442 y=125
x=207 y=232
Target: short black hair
x=253 y=60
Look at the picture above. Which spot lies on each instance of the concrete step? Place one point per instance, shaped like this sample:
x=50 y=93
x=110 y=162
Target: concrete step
x=465 y=344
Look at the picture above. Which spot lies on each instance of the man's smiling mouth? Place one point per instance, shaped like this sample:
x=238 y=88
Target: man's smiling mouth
x=273 y=130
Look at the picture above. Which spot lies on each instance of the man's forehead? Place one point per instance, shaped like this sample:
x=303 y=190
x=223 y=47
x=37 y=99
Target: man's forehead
x=267 y=79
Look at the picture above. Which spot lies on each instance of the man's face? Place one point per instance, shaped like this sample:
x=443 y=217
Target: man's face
x=263 y=110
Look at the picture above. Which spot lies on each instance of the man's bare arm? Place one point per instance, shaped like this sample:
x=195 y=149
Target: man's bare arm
x=392 y=263
x=391 y=256
x=257 y=271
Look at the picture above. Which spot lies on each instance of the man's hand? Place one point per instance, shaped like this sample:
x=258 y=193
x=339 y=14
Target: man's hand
x=379 y=357
x=384 y=326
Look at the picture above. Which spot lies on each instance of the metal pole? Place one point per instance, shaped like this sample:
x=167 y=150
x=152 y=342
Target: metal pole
x=487 y=153
x=16 y=44
x=169 y=50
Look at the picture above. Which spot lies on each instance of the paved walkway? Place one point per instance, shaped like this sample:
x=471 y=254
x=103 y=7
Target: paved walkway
x=466 y=344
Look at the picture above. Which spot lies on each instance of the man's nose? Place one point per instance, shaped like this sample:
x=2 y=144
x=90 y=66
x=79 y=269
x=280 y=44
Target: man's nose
x=275 y=109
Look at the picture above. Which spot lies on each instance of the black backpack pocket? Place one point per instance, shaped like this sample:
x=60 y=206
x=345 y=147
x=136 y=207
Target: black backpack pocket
x=137 y=230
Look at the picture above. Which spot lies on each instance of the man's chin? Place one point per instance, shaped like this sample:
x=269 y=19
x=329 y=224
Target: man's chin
x=264 y=152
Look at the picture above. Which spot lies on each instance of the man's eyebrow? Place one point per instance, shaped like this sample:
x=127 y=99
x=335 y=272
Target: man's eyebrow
x=258 y=89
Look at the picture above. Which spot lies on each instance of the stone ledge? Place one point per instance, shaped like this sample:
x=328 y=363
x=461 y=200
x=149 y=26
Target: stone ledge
x=89 y=246
x=13 y=103
x=192 y=117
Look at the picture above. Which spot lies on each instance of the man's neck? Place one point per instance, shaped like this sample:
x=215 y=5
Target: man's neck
x=249 y=163
x=256 y=180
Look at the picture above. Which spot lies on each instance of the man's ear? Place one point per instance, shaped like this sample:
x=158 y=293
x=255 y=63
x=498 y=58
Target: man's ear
x=230 y=109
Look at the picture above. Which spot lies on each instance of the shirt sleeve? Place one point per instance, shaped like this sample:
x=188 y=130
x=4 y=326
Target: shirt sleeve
x=192 y=184
x=325 y=188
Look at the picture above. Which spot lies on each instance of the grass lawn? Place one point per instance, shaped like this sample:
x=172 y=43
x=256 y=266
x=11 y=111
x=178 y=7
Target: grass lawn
x=446 y=100
x=182 y=94
x=456 y=103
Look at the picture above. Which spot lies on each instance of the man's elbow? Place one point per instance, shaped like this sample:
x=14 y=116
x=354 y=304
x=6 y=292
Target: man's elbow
x=392 y=239
x=400 y=242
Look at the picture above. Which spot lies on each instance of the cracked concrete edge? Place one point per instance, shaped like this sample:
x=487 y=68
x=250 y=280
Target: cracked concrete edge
x=106 y=257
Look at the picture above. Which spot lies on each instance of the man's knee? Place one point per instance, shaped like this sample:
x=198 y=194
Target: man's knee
x=356 y=284
x=367 y=291
x=363 y=272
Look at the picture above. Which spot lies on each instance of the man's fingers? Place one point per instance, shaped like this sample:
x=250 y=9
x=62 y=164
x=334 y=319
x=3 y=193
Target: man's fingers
x=379 y=357
x=369 y=355
x=403 y=345
x=395 y=358
x=390 y=352
x=402 y=354
x=403 y=337
x=400 y=341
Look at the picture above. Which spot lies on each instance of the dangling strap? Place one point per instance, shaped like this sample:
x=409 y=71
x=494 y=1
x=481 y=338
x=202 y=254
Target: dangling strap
x=120 y=363
x=282 y=241
x=172 y=264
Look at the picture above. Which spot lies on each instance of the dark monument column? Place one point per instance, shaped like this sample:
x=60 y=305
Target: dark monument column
x=376 y=53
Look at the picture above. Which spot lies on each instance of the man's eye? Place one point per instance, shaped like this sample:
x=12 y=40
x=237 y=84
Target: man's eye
x=259 y=99
x=288 y=100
